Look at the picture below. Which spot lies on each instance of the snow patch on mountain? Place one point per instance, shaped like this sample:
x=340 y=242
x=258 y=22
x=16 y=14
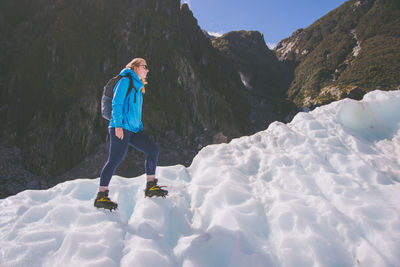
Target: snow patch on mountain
x=357 y=48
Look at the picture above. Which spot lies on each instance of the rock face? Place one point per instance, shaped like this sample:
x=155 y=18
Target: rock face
x=265 y=78
x=258 y=66
x=354 y=46
x=59 y=54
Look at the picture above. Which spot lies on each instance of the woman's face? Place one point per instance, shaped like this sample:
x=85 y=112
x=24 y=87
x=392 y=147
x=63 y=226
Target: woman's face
x=141 y=70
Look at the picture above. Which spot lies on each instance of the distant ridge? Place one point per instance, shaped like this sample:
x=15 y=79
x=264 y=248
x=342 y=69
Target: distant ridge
x=350 y=51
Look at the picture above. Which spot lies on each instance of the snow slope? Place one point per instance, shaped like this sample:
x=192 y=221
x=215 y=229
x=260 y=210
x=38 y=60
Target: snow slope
x=323 y=190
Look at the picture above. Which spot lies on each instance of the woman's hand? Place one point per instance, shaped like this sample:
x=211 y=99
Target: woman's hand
x=119 y=133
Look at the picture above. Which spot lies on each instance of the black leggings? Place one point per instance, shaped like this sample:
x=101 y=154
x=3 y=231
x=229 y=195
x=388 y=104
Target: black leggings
x=140 y=141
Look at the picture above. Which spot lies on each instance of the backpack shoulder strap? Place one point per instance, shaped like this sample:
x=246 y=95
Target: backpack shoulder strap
x=130 y=87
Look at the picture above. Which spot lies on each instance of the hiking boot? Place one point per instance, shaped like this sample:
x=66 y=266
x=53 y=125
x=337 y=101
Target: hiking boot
x=152 y=189
x=102 y=201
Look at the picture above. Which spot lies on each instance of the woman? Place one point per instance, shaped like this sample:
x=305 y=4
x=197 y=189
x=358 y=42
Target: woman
x=126 y=128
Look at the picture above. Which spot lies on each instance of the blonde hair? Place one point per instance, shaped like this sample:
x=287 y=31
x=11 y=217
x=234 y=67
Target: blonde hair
x=136 y=62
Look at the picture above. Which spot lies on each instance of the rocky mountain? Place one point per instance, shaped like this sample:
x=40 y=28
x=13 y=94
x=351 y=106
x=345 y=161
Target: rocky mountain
x=350 y=51
x=264 y=76
x=57 y=56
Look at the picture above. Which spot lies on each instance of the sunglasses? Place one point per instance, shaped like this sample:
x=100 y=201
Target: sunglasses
x=144 y=66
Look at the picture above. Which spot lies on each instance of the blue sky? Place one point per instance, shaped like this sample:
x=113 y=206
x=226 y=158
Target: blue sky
x=276 y=19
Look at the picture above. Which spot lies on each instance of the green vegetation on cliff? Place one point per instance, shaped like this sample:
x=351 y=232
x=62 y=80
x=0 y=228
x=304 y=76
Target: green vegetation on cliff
x=354 y=46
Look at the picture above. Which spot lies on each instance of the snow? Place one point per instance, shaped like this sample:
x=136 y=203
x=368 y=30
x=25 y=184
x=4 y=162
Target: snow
x=271 y=45
x=215 y=34
x=357 y=48
x=323 y=190
x=245 y=80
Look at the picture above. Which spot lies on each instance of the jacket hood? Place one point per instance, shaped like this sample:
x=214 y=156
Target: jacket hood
x=130 y=72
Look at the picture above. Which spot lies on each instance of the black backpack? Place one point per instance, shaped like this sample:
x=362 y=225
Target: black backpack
x=108 y=92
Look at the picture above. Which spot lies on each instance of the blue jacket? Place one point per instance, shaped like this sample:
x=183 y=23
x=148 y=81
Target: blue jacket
x=125 y=113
